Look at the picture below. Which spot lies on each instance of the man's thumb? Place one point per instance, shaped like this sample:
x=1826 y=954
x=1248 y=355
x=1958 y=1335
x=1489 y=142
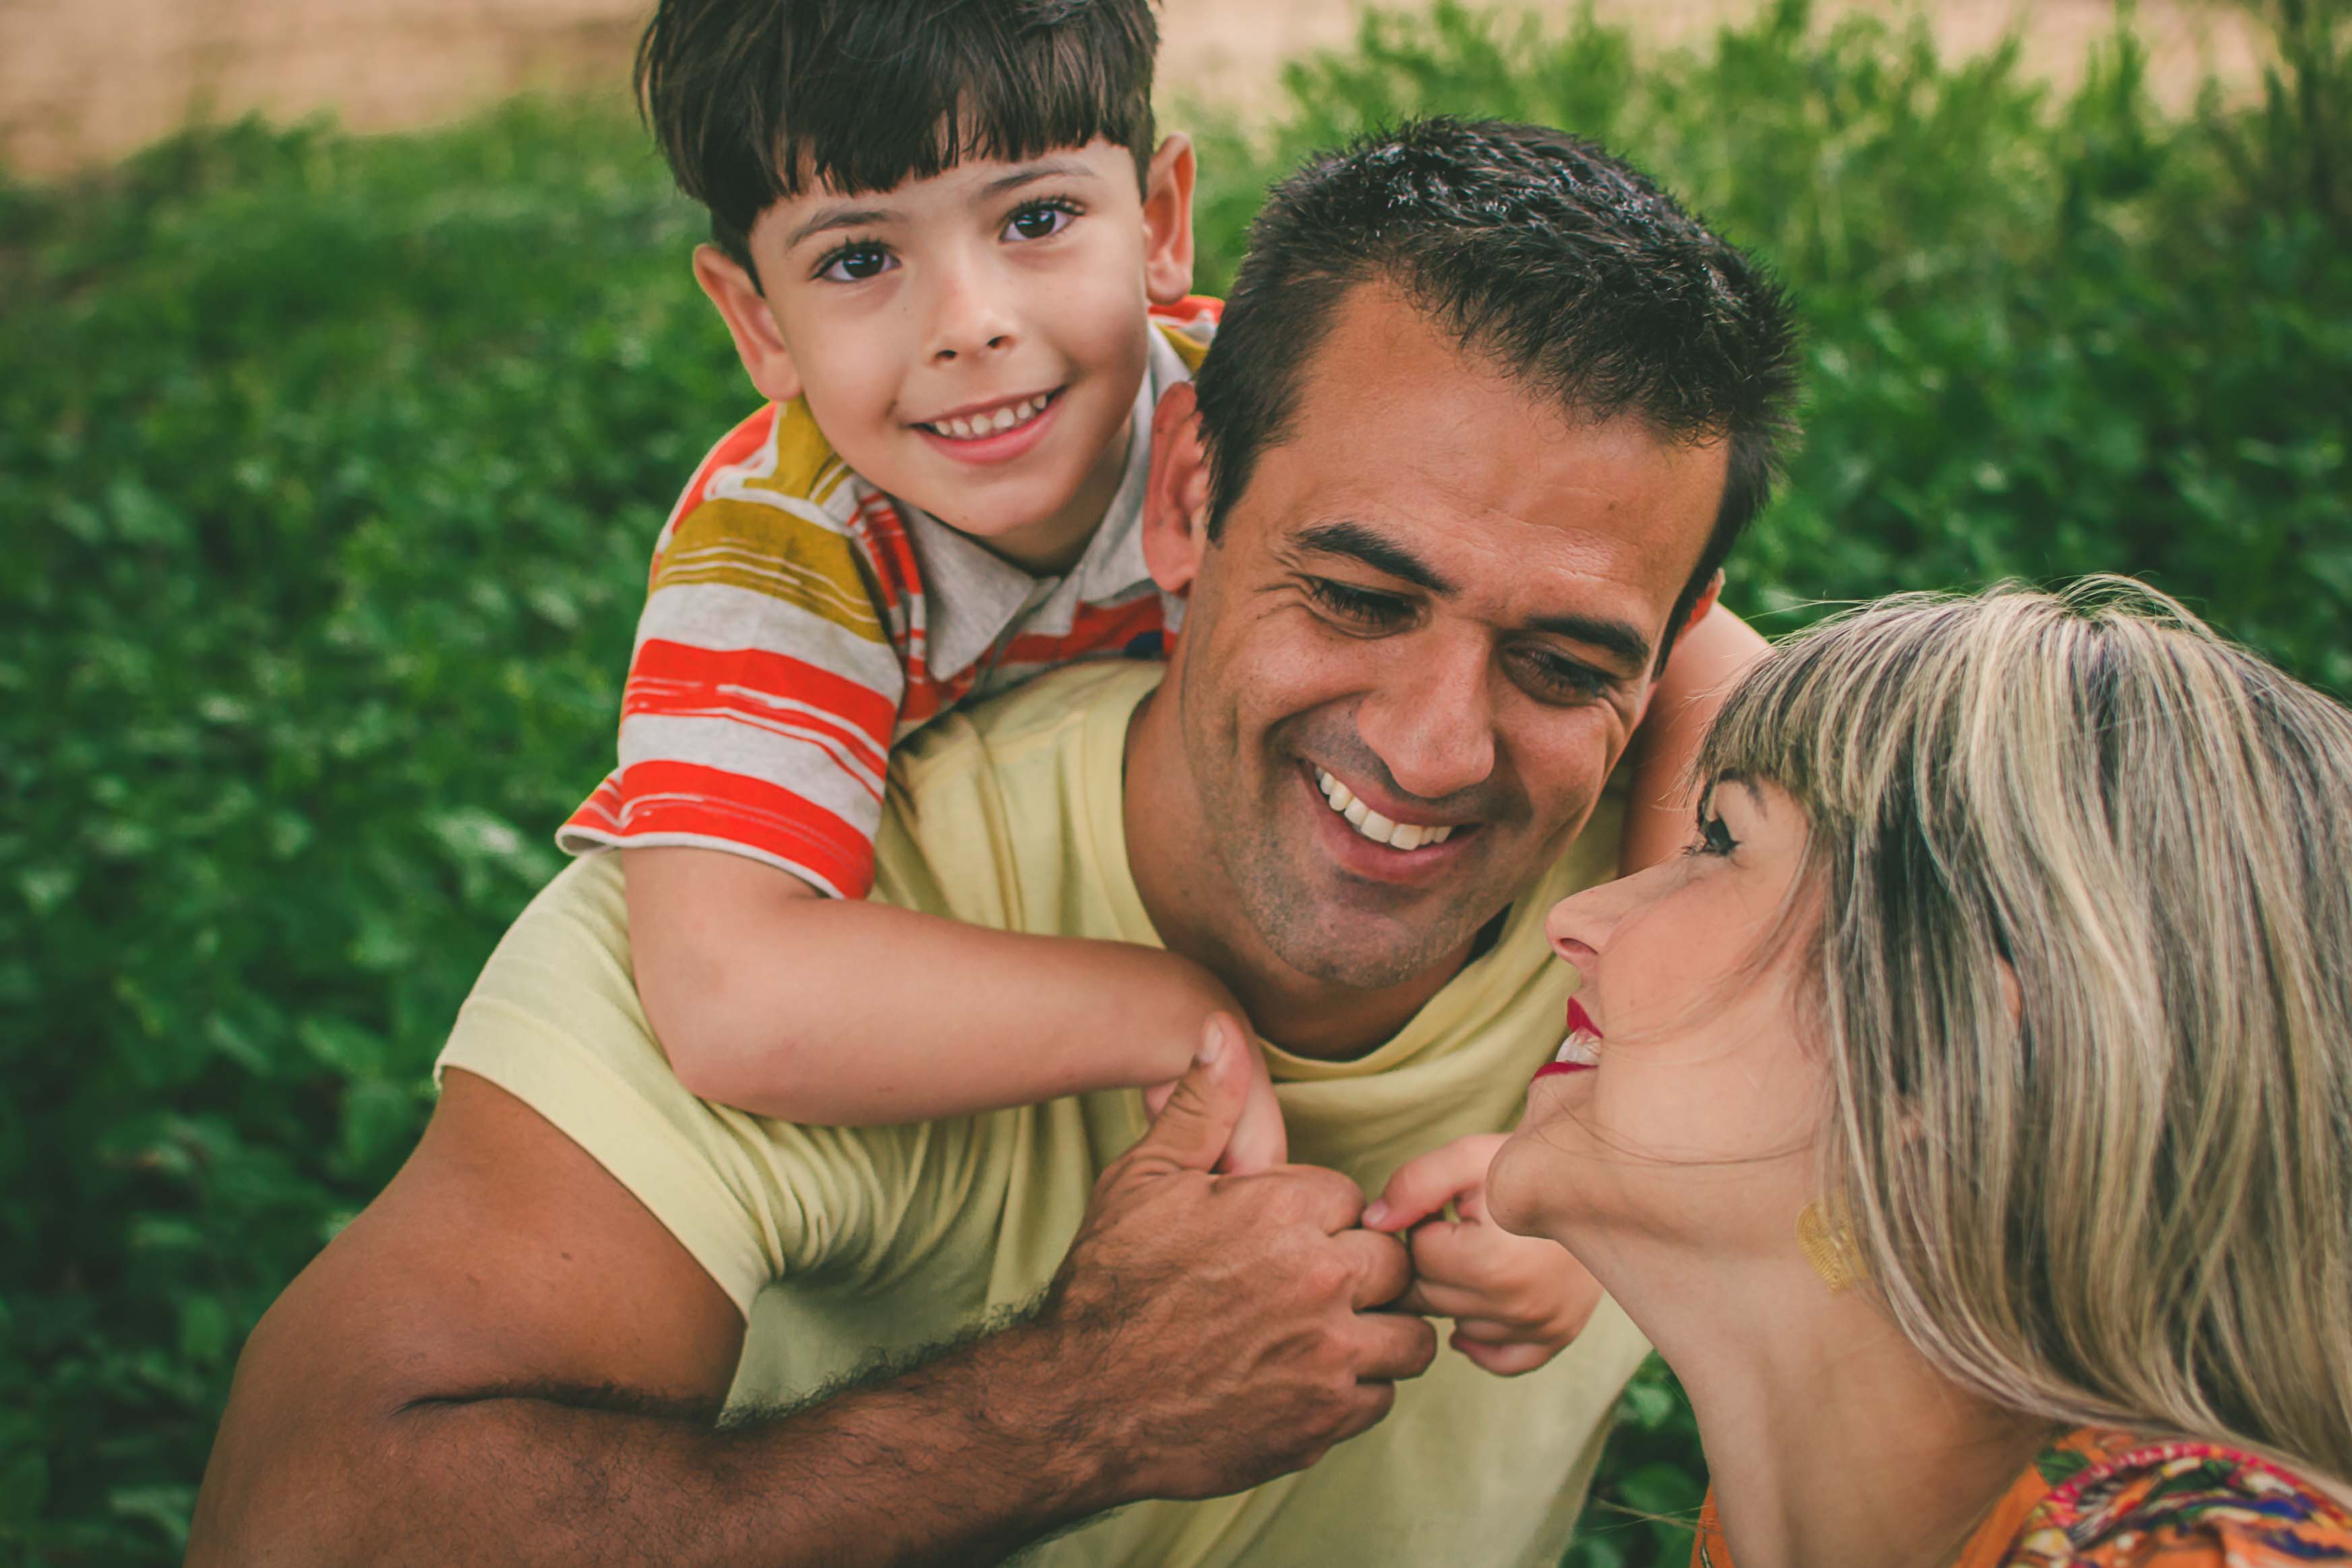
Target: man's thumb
x=1198 y=1121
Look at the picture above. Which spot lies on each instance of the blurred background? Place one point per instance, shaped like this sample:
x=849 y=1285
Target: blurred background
x=349 y=361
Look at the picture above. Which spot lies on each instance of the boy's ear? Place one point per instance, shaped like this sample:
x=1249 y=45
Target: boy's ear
x=1168 y=222
x=1176 y=492
x=759 y=341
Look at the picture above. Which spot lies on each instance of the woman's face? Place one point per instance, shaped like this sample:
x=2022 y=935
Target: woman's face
x=1694 y=1124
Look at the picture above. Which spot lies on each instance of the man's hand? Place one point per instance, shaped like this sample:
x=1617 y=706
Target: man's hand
x=1515 y=1301
x=1236 y=1307
x=1259 y=1140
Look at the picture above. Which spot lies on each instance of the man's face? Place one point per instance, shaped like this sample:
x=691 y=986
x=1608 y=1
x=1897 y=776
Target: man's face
x=973 y=342
x=1422 y=641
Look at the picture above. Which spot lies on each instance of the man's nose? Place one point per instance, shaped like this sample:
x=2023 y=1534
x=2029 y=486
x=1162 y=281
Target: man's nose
x=1432 y=719
x=970 y=313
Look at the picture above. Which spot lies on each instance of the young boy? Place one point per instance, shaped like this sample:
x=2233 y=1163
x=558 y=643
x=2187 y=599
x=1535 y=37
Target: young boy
x=953 y=259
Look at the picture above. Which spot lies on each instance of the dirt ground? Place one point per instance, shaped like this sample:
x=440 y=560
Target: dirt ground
x=85 y=80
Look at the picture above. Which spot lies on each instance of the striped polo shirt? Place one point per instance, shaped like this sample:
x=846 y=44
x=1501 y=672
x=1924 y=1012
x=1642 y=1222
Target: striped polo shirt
x=799 y=623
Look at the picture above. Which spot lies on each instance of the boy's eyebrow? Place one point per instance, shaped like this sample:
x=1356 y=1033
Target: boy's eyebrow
x=1028 y=173
x=827 y=219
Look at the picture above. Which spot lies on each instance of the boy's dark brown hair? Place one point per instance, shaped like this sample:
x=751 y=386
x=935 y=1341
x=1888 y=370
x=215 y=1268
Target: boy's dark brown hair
x=756 y=100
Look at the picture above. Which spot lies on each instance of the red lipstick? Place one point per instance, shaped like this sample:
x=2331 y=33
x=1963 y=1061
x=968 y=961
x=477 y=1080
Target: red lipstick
x=1580 y=1021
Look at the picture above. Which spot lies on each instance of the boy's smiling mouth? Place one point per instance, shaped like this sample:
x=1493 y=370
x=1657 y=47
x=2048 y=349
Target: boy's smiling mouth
x=979 y=421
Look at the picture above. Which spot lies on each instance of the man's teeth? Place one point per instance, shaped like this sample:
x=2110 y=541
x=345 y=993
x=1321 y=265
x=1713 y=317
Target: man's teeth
x=1371 y=824
x=1003 y=419
x=1582 y=1048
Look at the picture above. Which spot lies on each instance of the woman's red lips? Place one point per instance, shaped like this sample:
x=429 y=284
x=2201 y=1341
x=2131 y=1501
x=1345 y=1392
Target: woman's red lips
x=1575 y=1053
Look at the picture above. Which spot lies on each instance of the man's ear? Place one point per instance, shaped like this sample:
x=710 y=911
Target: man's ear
x=1176 y=492
x=759 y=341
x=1168 y=222
x=1702 y=605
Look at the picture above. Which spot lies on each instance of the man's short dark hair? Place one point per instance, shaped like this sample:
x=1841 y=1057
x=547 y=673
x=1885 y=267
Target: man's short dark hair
x=755 y=100
x=1564 y=266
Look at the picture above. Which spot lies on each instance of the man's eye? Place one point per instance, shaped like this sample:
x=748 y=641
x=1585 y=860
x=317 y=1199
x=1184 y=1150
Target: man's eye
x=1364 y=608
x=1552 y=678
x=1040 y=220
x=856 y=263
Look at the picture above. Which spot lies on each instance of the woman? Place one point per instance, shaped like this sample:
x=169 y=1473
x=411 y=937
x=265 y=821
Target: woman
x=1968 y=1116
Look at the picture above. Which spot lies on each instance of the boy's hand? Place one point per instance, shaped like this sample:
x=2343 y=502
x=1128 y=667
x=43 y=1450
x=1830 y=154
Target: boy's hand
x=1260 y=1141
x=1515 y=1301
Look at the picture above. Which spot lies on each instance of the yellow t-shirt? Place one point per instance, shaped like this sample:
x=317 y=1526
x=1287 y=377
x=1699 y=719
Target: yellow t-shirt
x=839 y=1243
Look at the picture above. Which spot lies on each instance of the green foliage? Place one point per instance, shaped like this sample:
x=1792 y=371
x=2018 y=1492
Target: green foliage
x=332 y=465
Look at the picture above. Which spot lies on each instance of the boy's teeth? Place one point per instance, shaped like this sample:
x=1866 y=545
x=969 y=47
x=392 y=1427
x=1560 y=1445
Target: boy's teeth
x=1371 y=824
x=1005 y=418
x=1581 y=1047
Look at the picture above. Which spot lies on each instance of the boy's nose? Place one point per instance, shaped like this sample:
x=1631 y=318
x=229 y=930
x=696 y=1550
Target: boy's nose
x=968 y=318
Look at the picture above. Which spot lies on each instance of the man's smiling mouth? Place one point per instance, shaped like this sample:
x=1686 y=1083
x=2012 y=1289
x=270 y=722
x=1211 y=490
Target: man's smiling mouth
x=1372 y=825
x=991 y=420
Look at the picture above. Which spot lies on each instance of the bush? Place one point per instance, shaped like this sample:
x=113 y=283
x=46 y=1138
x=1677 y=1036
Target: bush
x=333 y=463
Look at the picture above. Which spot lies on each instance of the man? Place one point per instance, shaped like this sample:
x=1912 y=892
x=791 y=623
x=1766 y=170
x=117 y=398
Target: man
x=1484 y=416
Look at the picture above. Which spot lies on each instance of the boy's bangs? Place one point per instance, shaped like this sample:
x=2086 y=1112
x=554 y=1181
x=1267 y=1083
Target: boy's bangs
x=915 y=106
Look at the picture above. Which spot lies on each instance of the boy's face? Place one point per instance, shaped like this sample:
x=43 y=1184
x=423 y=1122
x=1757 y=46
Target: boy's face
x=972 y=342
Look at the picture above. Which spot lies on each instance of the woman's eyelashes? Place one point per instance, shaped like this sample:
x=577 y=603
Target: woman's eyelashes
x=1714 y=837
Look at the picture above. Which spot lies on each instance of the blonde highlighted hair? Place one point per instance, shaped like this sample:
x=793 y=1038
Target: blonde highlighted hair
x=2118 y=1189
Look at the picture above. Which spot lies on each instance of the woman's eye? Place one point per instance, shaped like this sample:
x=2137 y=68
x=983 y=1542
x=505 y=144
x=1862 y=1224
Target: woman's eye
x=1039 y=220
x=1713 y=839
x=1363 y=606
x=856 y=263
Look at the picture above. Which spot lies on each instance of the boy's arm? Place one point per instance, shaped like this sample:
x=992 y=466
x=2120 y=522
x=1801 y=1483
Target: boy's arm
x=771 y=998
x=1707 y=659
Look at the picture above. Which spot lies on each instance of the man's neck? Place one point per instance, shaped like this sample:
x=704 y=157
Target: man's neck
x=1192 y=900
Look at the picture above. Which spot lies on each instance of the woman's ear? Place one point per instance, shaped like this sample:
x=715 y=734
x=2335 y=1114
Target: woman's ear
x=1176 y=492
x=1168 y=222
x=759 y=341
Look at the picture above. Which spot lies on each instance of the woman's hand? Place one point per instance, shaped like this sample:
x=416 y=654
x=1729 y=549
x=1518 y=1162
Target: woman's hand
x=1515 y=1301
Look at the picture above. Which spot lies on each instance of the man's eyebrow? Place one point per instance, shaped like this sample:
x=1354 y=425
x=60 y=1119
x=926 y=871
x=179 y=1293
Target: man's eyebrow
x=1030 y=173
x=831 y=218
x=1620 y=638
x=1375 y=549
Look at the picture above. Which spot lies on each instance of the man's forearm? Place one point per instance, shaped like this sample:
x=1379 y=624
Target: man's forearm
x=962 y=1459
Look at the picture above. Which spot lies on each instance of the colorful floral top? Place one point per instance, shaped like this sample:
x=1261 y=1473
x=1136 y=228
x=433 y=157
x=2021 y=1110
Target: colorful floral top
x=2111 y=1499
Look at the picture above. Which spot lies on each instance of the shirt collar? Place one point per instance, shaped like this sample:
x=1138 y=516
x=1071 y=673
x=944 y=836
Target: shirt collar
x=972 y=596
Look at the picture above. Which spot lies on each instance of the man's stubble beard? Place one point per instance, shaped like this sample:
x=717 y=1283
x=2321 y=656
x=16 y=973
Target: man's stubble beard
x=1271 y=873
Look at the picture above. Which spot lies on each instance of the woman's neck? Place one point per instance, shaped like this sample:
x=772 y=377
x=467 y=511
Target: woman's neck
x=1828 y=1438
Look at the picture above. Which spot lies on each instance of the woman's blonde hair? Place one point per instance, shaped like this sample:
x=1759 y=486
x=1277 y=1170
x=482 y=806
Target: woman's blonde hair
x=2118 y=1190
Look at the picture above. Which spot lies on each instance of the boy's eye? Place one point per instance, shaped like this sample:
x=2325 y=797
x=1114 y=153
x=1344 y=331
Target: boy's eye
x=1040 y=220
x=1365 y=609
x=856 y=263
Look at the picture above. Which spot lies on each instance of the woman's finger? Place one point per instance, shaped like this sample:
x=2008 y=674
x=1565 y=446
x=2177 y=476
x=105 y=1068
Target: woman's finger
x=1427 y=1183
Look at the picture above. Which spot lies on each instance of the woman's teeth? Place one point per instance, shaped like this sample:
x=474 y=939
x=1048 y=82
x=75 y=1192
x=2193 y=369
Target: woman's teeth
x=996 y=424
x=1582 y=1048
x=1372 y=825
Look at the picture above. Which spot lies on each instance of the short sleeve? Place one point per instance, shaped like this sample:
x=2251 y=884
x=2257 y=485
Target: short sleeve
x=765 y=686
x=555 y=1021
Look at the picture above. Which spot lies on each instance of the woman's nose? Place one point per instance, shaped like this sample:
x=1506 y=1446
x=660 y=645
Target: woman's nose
x=1580 y=925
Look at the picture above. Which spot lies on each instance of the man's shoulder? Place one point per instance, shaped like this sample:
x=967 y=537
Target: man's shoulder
x=1044 y=719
